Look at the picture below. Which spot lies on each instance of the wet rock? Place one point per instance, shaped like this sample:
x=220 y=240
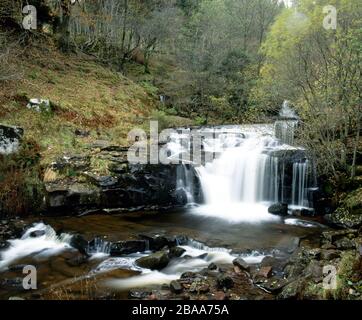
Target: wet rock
x=242 y=264
x=224 y=281
x=77 y=260
x=330 y=254
x=276 y=264
x=315 y=271
x=79 y=243
x=220 y=295
x=293 y=245
x=280 y=209
x=176 y=252
x=139 y=293
x=199 y=286
x=37 y=233
x=328 y=246
x=272 y=285
x=265 y=272
x=176 y=287
x=212 y=266
x=291 y=291
x=345 y=217
x=14 y=283
x=127 y=247
x=158 y=242
x=155 y=261
x=332 y=236
x=344 y=244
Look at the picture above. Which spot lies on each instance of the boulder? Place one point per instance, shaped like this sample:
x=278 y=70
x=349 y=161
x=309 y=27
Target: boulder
x=265 y=272
x=242 y=264
x=344 y=244
x=176 y=287
x=345 y=217
x=79 y=243
x=127 y=247
x=176 y=252
x=39 y=105
x=330 y=254
x=155 y=261
x=291 y=291
x=224 y=281
x=280 y=209
x=10 y=139
x=212 y=266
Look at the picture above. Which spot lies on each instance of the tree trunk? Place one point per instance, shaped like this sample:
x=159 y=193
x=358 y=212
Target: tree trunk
x=64 y=34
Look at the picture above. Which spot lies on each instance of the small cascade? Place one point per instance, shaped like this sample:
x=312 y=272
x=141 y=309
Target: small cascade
x=300 y=184
x=185 y=184
x=285 y=131
x=98 y=246
x=40 y=240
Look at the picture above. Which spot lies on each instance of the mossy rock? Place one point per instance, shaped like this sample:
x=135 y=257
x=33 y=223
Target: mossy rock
x=345 y=218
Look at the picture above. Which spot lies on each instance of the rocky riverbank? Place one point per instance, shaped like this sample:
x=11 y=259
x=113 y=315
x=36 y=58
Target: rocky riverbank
x=297 y=271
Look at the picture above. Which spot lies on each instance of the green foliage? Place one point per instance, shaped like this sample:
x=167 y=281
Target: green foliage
x=319 y=72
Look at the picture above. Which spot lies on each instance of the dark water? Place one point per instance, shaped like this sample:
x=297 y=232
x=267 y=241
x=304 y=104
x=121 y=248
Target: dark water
x=54 y=271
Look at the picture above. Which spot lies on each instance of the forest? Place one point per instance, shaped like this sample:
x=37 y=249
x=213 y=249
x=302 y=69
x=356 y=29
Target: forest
x=276 y=83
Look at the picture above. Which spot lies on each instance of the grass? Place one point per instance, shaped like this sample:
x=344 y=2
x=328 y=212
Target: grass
x=84 y=95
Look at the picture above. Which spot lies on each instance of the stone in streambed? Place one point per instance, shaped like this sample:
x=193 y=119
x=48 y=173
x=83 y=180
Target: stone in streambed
x=224 y=281
x=176 y=287
x=176 y=252
x=265 y=272
x=127 y=247
x=280 y=209
x=79 y=243
x=242 y=264
x=330 y=254
x=155 y=261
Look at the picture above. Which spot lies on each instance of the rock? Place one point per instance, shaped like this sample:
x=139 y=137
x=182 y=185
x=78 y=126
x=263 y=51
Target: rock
x=272 y=285
x=176 y=252
x=82 y=133
x=139 y=293
x=158 y=242
x=220 y=295
x=16 y=298
x=79 y=243
x=332 y=236
x=77 y=260
x=280 y=209
x=39 y=105
x=176 y=287
x=276 y=264
x=10 y=139
x=127 y=247
x=199 y=286
x=155 y=261
x=37 y=233
x=293 y=244
x=329 y=254
x=345 y=217
x=224 y=281
x=291 y=291
x=344 y=244
x=242 y=264
x=315 y=271
x=212 y=266
x=265 y=272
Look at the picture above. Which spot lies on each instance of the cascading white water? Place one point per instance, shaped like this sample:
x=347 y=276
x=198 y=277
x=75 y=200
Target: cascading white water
x=300 y=183
x=247 y=175
x=48 y=243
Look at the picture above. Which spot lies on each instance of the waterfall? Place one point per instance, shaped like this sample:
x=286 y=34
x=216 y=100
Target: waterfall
x=285 y=131
x=184 y=184
x=251 y=169
x=300 y=184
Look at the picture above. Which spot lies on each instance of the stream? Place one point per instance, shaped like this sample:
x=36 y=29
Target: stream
x=252 y=168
